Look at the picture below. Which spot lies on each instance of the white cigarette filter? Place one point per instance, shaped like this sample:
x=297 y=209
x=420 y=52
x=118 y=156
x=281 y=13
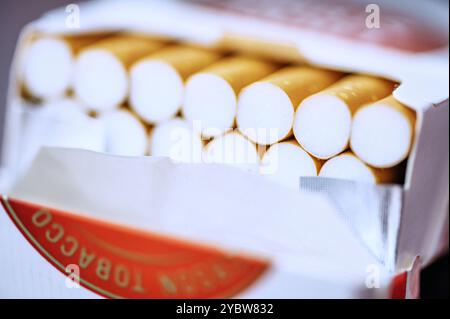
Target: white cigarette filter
x=48 y=64
x=100 y=75
x=157 y=81
x=211 y=95
x=67 y=125
x=177 y=140
x=58 y=123
x=382 y=133
x=286 y=162
x=323 y=121
x=266 y=108
x=66 y=109
x=349 y=167
x=232 y=149
x=125 y=134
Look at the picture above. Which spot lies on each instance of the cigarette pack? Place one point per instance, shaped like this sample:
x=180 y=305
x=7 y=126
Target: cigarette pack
x=79 y=223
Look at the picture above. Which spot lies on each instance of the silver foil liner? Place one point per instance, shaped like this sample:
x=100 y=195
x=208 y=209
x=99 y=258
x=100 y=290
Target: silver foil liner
x=373 y=212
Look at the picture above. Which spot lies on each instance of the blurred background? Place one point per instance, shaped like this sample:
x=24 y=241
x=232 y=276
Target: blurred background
x=14 y=14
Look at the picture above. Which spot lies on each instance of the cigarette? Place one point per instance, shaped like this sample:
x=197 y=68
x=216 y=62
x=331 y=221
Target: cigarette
x=211 y=95
x=349 y=167
x=284 y=163
x=177 y=140
x=65 y=109
x=66 y=118
x=48 y=64
x=59 y=123
x=323 y=121
x=382 y=133
x=278 y=52
x=232 y=149
x=100 y=75
x=157 y=81
x=266 y=108
x=125 y=134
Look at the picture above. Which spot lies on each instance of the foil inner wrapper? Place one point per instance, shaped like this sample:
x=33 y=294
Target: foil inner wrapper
x=373 y=212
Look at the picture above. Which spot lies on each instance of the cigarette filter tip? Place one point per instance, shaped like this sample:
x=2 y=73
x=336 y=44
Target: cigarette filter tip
x=323 y=121
x=100 y=80
x=157 y=81
x=322 y=125
x=47 y=68
x=286 y=162
x=59 y=123
x=211 y=102
x=211 y=95
x=382 y=133
x=177 y=140
x=232 y=149
x=266 y=108
x=101 y=69
x=67 y=109
x=347 y=166
x=265 y=113
x=125 y=134
x=156 y=90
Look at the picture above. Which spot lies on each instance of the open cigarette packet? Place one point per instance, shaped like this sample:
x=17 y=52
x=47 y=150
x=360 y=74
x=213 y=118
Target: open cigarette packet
x=200 y=149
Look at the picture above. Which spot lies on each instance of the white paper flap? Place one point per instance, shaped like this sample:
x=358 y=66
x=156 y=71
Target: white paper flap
x=214 y=204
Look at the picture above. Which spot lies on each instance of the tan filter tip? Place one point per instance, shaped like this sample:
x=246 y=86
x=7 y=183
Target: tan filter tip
x=157 y=81
x=348 y=166
x=266 y=108
x=265 y=113
x=101 y=69
x=100 y=80
x=211 y=95
x=323 y=121
x=156 y=90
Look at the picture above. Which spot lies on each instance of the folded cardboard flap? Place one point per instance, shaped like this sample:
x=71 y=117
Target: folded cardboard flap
x=215 y=204
x=119 y=262
x=425 y=202
x=68 y=240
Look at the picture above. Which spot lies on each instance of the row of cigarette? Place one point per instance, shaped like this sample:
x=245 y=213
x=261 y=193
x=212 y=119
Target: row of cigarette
x=309 y=121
